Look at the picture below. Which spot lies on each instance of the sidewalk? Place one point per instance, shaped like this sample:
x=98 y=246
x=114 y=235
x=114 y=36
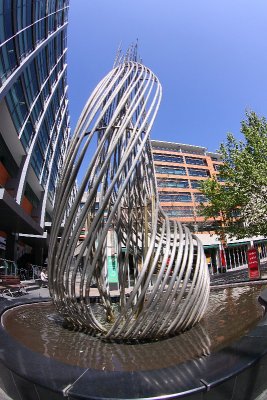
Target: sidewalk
x=236 y=276
x=32 y=292
x=225 y=278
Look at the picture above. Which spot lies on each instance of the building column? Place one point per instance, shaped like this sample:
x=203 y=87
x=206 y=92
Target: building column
x=11 y=246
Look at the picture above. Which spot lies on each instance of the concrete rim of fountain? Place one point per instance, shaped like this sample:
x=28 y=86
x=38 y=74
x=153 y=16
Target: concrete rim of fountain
x=237 y=370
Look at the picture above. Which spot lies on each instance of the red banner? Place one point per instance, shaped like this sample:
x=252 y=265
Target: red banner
x=253 y=264
x=223 y=261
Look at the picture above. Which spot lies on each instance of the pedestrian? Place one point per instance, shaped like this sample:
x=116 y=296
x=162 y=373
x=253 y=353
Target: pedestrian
x=44 y=278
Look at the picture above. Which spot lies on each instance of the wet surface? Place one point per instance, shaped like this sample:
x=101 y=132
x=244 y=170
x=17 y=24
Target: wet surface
x=231 y=313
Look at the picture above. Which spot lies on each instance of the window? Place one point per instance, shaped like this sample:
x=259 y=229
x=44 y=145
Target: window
x=171 y=170
x=198 y=172
x=43 y=138
x=179 y=211
x=45 y=176
x=175 y=183
x=175 y=197
x=168 y=158
x=7 y=19
x=217 y=167
x=200 y=198
x=2 y=19
x=195 y=184
x=205 y=226
x=37 y=160
x=195 y=161
x=17 y=106
x=42 y=65
x=27 y=135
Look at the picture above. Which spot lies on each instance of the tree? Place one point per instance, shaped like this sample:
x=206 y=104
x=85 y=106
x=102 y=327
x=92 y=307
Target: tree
x=241 y=200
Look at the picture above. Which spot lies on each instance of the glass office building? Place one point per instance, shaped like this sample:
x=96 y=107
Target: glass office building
x=34 y=117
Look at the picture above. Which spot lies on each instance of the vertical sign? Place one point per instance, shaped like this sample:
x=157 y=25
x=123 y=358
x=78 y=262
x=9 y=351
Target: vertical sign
x=253 y=264
x=113 y=269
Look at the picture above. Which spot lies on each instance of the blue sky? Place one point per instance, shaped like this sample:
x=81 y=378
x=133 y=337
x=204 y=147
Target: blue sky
x=210 y=56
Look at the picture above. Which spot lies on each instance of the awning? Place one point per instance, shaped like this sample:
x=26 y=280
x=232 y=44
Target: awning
x=34 y=240
x=237 y=244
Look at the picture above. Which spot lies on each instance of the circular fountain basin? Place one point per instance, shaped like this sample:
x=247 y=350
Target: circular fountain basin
x=39 y=354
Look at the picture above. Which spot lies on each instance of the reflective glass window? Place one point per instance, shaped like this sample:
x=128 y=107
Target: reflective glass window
x=195 y=184
x=12 y=59
x=217 y=167
x=176 y=183
x=45 y=176
x=168 y=158
x=37 y=160
x=170 y=170
x=2 y=22
x=179 y=211
x=195 y=161
x=198 y=172
x=175 y=197
x=29 y=43
x=37 y=110
x=27 y=135
x=17 y=106
x=7 y=19
x=199 y=197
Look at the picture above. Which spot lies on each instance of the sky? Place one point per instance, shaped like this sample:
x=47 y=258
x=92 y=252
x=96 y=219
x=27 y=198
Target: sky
x=210 y=57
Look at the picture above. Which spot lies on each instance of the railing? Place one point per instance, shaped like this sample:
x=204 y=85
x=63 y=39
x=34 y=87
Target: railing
x=30 y=272
x=8 y=267
x=236 y=257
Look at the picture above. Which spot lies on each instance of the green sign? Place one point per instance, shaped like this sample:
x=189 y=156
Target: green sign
x=113 y=269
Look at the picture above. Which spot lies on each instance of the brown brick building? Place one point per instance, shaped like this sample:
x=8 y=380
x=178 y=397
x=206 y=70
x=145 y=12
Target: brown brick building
x=180 y=168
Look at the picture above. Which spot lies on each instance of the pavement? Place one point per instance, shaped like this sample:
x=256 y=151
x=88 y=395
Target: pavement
x=237 y=276
x=231 y=277
x=32 y=291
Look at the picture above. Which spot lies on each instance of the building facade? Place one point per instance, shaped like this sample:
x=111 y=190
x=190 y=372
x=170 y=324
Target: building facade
x=180 y=169
x=34 y=119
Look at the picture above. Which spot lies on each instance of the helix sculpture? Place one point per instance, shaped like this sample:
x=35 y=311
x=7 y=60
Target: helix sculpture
x=166 y=288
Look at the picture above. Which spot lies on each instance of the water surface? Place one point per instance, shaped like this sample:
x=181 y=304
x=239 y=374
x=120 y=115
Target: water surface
x=231 y=313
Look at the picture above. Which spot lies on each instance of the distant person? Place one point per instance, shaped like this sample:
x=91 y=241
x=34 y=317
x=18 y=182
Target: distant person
x=44 y=277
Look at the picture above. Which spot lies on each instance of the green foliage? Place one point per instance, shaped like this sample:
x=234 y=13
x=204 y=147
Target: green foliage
x=241 y=200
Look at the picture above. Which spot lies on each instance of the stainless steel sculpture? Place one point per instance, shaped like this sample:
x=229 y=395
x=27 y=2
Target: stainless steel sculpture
x=170 y=280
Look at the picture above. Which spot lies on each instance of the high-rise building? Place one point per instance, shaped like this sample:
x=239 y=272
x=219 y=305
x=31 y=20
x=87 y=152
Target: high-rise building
x=34 y=118
x=180 y=168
